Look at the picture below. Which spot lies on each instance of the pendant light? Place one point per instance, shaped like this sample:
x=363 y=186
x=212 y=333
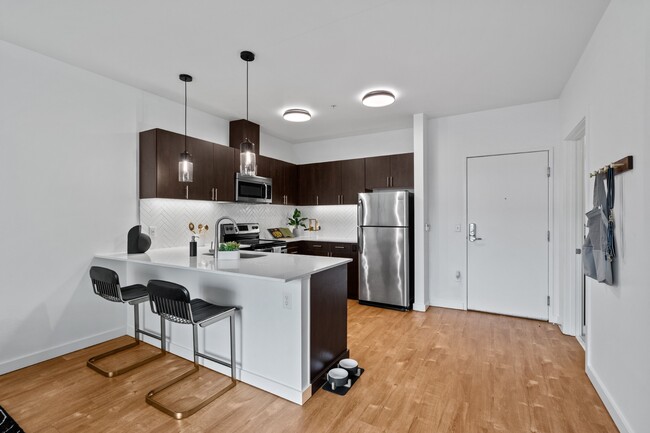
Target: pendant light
x=185 y=165
x=248 y=165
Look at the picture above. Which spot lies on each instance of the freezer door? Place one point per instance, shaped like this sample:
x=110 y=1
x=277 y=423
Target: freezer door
x=385 y=208
x=384 y=265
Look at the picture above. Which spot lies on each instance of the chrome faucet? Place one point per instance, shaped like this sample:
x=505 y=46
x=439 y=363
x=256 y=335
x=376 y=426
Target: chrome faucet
x=217 y=233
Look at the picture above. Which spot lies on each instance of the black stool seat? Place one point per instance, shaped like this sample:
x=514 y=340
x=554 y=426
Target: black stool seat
x=203 y=311
x=106 y=283
x=135 y=291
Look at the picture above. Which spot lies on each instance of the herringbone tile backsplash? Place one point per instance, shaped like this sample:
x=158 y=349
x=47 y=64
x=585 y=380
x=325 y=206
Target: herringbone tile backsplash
x=171 y=218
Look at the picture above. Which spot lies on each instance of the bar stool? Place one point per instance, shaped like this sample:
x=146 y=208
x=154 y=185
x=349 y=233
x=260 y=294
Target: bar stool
x=172 y=302
x=106 y=284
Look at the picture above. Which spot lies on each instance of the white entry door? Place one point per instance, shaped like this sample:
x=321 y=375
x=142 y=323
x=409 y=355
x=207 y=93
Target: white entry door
x=507 y=252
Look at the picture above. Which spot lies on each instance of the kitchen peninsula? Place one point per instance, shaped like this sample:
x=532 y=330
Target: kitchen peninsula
x=291 y=326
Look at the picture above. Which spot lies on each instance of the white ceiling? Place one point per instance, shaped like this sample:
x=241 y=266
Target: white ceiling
x=441 y=57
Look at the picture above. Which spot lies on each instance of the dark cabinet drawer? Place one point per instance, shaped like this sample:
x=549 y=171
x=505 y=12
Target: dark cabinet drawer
x=337 y=249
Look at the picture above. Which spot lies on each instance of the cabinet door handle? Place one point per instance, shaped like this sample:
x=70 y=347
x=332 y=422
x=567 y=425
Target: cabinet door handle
x=338 y=247
x=387 y=180
x=187 y=192
x=216 y=194
x=391 y=181
x=212 y=193
x=342 y=200
x=317 y=246
x=316 y=200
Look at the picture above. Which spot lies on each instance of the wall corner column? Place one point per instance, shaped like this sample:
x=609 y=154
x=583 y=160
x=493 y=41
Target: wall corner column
x=421 y=193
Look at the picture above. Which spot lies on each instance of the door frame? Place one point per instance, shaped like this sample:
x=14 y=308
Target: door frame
x=575 y=293
x=552 y=308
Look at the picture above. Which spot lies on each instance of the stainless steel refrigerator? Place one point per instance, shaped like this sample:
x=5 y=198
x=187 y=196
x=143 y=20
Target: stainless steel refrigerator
x=385 y=232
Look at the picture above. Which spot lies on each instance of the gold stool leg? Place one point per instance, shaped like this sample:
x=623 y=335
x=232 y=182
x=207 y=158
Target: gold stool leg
x=183 y=414
x=121 y=370
x=191 y=411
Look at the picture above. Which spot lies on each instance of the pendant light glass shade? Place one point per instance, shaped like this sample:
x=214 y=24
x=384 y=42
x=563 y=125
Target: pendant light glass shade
x=248 y=162
x=185 y=168
x=185 y=165
x=247 y=159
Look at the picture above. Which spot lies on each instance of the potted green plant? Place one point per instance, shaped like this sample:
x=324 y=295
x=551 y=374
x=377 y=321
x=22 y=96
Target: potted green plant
x=228 y=251
x=297 y=220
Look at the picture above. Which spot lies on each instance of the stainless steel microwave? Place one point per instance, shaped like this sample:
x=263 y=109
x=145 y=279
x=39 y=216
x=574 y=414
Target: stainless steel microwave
x=253 y=189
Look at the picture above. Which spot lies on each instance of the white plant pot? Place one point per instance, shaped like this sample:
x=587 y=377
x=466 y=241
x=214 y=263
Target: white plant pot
x=228 y=255
x=296 y=232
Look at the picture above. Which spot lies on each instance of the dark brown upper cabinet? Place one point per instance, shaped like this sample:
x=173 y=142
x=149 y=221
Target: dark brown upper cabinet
x=263 y=166
x=202 y=158
x=224 y=173
x=325 y=183
x=159 y=155
x=307 y=192
x=335 y=182
x=401 y=170
x=243 y=129
x=353 y=180
x=290 y=185
x=285 y=182
x=391 y=171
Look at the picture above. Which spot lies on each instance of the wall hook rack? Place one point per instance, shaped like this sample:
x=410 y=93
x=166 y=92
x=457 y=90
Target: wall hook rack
x=620 y=166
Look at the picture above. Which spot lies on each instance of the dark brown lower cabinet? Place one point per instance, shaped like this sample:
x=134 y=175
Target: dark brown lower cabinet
x=333 y=249
x=328 y=329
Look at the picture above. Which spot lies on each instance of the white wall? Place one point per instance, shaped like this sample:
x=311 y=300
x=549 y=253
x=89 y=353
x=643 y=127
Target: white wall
x=69 y=151
x=452 y=140
x=274 y=147
x=611 y=89
x=358 y=146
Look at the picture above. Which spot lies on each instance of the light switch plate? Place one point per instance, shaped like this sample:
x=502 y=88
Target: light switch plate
x=152 y=231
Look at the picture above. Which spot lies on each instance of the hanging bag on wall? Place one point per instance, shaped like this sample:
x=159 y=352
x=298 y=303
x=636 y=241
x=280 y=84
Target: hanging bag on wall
x=611 y=241
x=594 y=260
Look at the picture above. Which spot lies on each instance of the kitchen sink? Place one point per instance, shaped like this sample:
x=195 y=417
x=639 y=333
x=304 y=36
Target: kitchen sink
x=242 y=255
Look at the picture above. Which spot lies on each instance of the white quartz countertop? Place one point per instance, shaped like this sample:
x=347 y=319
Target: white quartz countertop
x=268 y=266
x=317 y=237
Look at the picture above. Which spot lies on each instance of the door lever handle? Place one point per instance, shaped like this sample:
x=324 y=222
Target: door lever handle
x=472 y=233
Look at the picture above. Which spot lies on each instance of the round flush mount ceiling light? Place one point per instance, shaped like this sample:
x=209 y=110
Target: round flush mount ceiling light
x=296 y=115
x=378 y=98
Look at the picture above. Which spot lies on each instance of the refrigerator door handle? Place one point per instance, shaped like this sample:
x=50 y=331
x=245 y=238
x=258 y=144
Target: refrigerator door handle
x=360 y=239
x=359 y=213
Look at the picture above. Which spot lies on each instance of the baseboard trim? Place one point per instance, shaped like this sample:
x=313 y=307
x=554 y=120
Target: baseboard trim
x=609 y=403
x=420 y=307
x=53 y=352
x=442 y=303
x=268 y=385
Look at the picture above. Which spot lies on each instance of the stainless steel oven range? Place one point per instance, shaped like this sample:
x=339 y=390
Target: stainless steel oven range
x=249 y=238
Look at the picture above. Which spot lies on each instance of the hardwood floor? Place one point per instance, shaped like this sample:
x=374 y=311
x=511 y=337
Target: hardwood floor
x=439 y=371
